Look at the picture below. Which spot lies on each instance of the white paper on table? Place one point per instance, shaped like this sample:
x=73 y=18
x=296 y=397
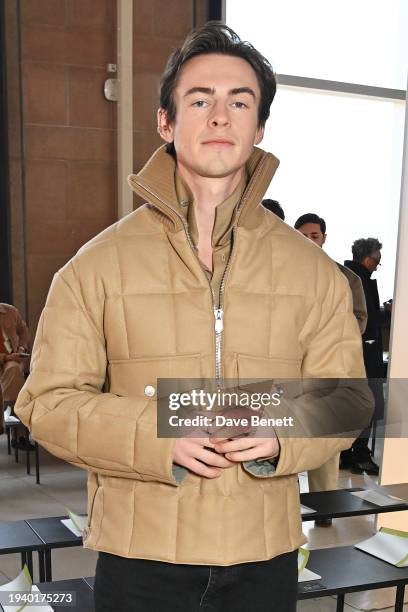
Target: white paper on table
x=389 y=545
x=76 y=523
x=21 y=584
x=378 y=498
x=44 y=608
x=8 y=417
x=371 y=484
x=307 y=574
x=70 y=525
x=306 y=509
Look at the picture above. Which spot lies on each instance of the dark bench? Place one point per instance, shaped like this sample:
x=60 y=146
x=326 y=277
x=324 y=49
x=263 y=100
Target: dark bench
x=346 y=570
x=18 y=537
x=53 y=534
x=11 y=428
x=339 y=503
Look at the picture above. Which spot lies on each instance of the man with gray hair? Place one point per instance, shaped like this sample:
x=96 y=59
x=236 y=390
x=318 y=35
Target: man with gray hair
x=366 y=259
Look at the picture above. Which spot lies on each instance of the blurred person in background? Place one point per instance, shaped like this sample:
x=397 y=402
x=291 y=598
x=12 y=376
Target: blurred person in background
x=14 y=358
x=275 y=207
x=13 y=352
x=313 y=227
x=366 y=260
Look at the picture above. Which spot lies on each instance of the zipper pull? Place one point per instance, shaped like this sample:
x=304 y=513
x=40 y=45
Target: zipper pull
x=219 y=324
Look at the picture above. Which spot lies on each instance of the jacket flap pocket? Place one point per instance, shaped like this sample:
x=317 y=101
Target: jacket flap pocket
x=138 y=377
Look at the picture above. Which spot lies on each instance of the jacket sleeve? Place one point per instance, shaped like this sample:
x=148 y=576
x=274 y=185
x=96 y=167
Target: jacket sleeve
x=22 y=331
x=359 y=303
x=62 y=401
x=332 y=402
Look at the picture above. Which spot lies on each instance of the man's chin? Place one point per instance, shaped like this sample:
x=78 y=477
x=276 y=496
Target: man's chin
x=218 y=170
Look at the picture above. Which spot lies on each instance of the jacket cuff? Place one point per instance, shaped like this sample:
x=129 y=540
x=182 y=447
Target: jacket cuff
x=261 y=468
x=154 y=456
x=179 y=472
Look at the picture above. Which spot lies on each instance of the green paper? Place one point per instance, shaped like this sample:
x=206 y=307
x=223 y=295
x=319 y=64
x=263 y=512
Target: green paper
x=303 y=557
x=79 y=522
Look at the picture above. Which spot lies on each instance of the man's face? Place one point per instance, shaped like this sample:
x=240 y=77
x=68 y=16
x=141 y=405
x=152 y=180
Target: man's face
x=372 y=262
x=313 y=232
x=216 y=124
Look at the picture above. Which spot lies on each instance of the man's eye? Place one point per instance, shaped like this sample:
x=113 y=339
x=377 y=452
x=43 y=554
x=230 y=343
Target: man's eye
x=239 y=105
x=200 y=103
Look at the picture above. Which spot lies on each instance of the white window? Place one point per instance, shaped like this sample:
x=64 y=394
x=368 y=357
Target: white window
x=340 y=153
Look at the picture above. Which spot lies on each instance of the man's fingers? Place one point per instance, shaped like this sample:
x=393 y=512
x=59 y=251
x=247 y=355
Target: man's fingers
x=245 y=455
x=236 y=445
x=201 y=469
x=212 y=459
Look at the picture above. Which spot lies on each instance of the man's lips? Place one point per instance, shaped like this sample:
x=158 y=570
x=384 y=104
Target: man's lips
x=218 y=141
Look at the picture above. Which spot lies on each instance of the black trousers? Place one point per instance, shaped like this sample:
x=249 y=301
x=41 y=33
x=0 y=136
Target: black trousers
x=127 y=585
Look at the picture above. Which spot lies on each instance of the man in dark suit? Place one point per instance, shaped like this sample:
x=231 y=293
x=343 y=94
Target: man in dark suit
x=366 y=259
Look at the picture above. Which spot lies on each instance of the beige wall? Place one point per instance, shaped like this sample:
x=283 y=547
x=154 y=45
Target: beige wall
x=69 y=132
x=63 y=178
x=159 y=26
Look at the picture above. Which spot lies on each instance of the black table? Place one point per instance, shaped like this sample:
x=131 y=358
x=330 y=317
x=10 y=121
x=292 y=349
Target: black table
x=11 y=430
x=18 y=537
x=90 y=580
x=53 y=534
x=339 y=503
x=347 y=570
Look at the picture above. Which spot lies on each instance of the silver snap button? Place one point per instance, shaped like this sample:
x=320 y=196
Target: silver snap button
x=184 y=203
x=149 y=391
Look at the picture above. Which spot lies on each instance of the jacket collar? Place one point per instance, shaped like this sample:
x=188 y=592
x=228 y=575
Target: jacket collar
x=155 y=184
x=358 y=268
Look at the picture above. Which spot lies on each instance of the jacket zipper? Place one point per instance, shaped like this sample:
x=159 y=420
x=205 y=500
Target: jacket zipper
x=218 y=311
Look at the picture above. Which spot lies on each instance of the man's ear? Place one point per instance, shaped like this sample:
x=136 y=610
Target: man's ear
x=164 y=127
x=259 y=135
x=324 y=238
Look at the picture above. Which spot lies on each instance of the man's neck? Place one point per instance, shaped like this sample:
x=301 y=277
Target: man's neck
x=208 y=192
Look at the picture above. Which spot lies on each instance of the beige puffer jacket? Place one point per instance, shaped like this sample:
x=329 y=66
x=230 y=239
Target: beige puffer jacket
x=133 y=305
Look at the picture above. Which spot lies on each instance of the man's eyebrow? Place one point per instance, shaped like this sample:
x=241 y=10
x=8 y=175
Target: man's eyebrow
x=240 y=90
x=205 y=90
x=210 y=91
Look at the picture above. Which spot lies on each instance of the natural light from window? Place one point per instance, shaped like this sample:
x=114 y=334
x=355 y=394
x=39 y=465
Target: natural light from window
x=341 y=154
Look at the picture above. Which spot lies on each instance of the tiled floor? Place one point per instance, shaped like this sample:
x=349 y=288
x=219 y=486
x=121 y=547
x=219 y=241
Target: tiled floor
x=64 y=486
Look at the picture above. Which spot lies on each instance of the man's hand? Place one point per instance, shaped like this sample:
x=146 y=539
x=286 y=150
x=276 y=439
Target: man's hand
x=388 y=305
x=15 y=357
x=247 y=449
x=196 y=455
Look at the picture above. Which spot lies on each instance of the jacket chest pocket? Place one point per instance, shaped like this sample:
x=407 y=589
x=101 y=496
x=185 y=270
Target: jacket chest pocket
x=139 y=377
x=263 y=374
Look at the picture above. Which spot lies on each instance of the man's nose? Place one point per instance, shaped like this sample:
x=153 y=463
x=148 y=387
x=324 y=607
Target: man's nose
x=220 y=115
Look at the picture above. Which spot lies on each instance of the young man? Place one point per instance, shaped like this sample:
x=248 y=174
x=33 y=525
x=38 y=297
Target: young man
x=313 y=227
x=201 y=282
